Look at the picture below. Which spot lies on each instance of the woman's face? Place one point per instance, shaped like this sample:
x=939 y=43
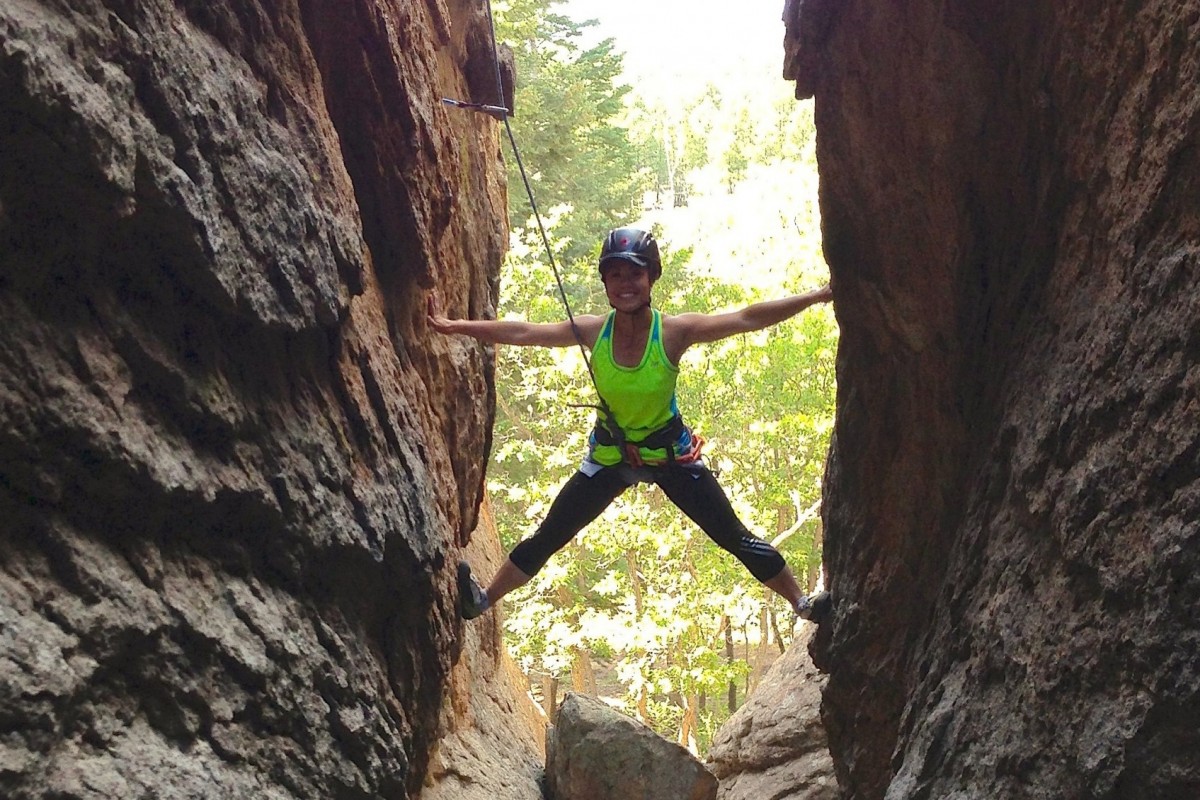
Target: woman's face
x=627 y=285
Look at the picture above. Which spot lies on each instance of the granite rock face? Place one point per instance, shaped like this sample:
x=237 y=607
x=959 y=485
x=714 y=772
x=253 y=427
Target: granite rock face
x=774 y=746
x=1010 y=195
x=235 y=465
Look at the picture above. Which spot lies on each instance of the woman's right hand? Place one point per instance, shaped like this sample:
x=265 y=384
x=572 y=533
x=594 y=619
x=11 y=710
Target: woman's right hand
x=438 y=321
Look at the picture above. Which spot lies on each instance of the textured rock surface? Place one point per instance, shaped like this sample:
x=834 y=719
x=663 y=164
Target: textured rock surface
x=1011 y=205
x=594 y=752
x=774 y=747
x=492 y=739
x=234 y=464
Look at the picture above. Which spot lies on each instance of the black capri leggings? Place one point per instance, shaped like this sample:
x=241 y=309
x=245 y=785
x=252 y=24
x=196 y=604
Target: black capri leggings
x=692 y=488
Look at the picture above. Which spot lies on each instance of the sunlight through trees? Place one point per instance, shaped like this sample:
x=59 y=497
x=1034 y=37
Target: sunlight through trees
x=642 y=606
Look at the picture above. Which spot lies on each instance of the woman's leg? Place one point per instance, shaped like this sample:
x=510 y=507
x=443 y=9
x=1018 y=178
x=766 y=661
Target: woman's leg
x=507 y=578
x=579 y=502
x=696 y=491
x=784 y=584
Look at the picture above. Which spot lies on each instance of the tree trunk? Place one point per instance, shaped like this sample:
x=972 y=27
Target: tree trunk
x=689 y=724
x=635 y=580
x=583 y=673
x=759 y=666
x=729 y=658
x=746 y=655
x=778 y=636
x=550 y=695
x=813 y=576
x=669 y=152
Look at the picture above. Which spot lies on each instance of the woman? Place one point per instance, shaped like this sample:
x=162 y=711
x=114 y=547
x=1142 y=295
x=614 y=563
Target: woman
x=641 y=437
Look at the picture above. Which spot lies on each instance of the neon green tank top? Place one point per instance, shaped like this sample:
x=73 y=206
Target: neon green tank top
x=642 y=398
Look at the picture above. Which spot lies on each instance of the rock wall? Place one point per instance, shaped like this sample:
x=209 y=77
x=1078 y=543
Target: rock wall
x=235 y=466
x=775 y=746
x=491 y=738
x=1010 y=195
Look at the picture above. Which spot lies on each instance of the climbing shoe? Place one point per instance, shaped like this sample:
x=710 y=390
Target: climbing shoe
x=814 y=608
x=472 y=599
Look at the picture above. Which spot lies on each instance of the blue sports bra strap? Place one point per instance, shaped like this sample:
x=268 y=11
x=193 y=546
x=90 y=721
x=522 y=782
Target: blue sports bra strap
x=606 y=331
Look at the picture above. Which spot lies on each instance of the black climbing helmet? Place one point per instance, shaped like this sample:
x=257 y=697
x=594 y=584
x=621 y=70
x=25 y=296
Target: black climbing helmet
x=633 y=245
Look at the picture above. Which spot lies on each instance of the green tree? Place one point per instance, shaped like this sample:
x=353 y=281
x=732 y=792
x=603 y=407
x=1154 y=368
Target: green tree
x=642 y=586
x=736 y=158
x=732 y=131
x=643 y=591
x=568 y=101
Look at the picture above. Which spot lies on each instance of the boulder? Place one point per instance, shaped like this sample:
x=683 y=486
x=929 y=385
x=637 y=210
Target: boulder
x=774 y=746
x=594 y=752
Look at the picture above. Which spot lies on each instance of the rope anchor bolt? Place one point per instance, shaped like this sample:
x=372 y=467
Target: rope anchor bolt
x=496 y=112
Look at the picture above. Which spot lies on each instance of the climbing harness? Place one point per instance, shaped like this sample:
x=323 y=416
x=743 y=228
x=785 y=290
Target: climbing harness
x=607 y=420
x=665 y=438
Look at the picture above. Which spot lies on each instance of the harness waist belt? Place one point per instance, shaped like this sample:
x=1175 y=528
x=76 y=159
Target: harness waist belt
x=664 y=437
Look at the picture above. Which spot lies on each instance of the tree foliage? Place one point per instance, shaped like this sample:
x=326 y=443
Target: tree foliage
x=568 y=99
x=642 y=592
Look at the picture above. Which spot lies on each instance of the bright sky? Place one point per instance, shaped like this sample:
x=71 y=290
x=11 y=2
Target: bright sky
x=690 y=37
x=677 y=47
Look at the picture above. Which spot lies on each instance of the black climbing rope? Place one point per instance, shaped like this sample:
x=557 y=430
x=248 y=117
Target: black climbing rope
x=502 y=114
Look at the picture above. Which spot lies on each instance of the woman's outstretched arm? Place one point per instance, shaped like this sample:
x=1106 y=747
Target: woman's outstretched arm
x=527 y=334
x=690 y=329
